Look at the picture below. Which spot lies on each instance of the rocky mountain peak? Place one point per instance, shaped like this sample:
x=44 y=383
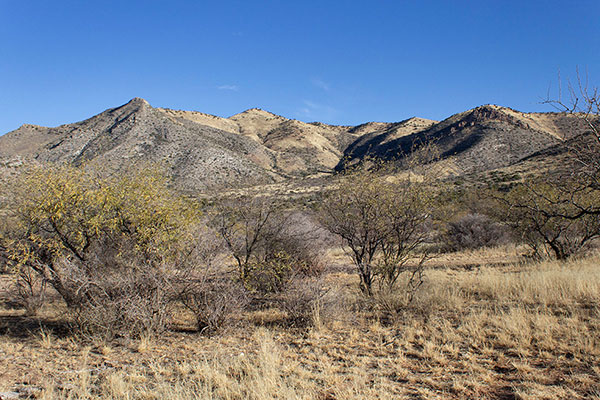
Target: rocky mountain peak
x=255 y=113
x=491 y=112
x=31 y=126
x=138 y=101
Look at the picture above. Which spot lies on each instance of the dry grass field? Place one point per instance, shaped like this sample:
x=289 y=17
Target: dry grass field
x=477 y=329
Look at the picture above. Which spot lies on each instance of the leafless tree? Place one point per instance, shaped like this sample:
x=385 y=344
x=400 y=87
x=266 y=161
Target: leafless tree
x=547 y=216
x=560 y=210
x=583 y=101
x=383 y=223
x=268 y=243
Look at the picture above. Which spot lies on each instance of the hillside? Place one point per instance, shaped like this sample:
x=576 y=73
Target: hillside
x=256 y=147
x=299 y=148
x=484 y=138
x=198 y=156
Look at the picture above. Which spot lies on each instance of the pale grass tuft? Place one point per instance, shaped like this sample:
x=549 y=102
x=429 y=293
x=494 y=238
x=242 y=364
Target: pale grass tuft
x=144 y=343
x=46 y=338
x=546 y=284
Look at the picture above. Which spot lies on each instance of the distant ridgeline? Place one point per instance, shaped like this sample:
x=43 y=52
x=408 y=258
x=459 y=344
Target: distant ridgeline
x=257 y=147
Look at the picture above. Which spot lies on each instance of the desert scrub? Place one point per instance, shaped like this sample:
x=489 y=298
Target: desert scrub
x=109 y=244
x=474 y=231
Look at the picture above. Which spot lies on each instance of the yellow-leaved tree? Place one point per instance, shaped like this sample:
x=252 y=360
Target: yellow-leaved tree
x=109 y=244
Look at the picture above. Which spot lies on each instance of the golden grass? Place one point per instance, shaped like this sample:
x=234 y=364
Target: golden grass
x=513 y=332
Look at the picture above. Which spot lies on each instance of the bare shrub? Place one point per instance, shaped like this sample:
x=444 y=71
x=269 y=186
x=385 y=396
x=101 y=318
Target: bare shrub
x=474 y=231
x=557 y=213
x=246 y=226
x=548 y=216
x=278 y=254
x=382 y=221
x=269 y=244
x=30 y=290
x=303 y=299
x=132 y=304
x=270 y=275
x=302 y=239
x=215 y=302
x=213 y=294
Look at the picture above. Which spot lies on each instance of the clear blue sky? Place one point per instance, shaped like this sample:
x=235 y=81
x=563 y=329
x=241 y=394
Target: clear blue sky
x=342 y=62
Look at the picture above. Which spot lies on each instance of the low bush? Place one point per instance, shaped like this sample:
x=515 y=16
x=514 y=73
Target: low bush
x=474 y=231
x=130 y=304
x=30 y=290
x=270 y=245
x=303 y=301
x=215 y=302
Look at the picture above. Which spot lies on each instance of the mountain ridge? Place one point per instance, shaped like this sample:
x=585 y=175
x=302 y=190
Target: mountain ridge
x=256 y=146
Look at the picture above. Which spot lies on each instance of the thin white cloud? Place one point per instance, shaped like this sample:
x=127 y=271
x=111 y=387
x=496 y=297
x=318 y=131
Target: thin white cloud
x=312 y=105
x=233 y=88
x=316 y=111
x=321 y=84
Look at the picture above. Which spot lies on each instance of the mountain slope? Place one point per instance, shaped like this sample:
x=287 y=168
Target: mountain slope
x=198 y=156
x=257 y=147
x=378 y=139
x=202 y=151
x=484 y=138
x=298 y=148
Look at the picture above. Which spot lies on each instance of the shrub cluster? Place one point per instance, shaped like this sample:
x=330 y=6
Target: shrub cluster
x=108 y=244
x=122 y=250
x=125 y=250
x=215 y=301
x=276 y=253
x=474 y=231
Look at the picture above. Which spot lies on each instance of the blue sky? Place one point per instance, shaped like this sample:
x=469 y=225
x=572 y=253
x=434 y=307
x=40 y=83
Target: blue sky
x=344 y=62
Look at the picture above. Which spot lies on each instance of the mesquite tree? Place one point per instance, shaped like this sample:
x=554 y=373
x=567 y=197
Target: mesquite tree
x=382 y=221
